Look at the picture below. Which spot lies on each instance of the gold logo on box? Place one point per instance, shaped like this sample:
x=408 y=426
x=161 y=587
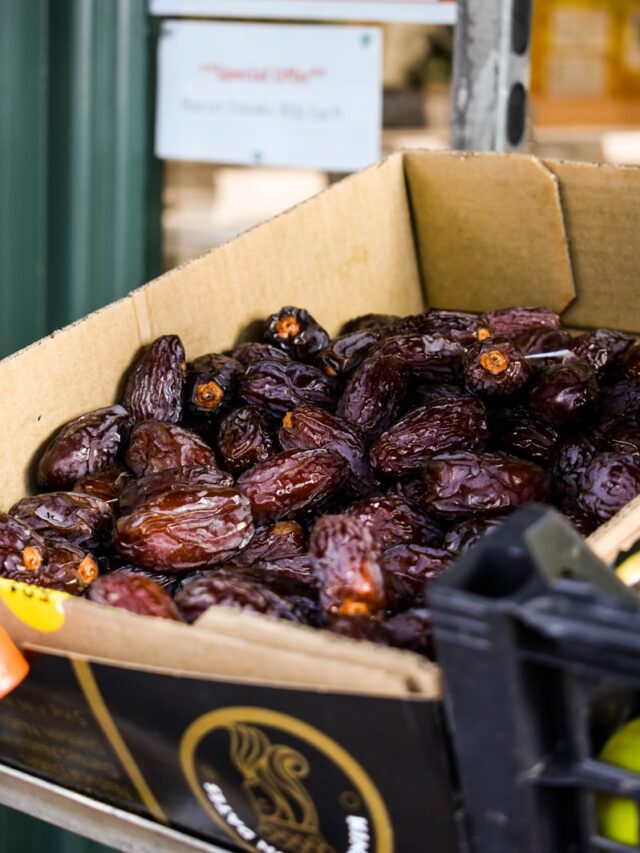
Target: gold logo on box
x=276 y=784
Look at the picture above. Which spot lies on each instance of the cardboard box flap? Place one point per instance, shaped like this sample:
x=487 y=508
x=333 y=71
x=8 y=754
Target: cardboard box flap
x=346 y=252
x=117 y=636
x=489 y=230
x=602 y=217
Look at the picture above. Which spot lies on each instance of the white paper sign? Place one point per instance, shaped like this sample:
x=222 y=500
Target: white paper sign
x=307 y=96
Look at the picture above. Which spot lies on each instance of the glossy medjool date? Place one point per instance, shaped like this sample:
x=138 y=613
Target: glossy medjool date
x=428 y=357
x=71 y=565
x=429 y=392
x=21 y=548
x=309 y=427
x=571 y=459
x=518 y=432
x=541 y=340
x=459 y=326
x=373 y=395
x=292 y=482
x=438 y=427
x=155 y=387
x=393 y=521
x=296 y=332
x=84 y=520
x=252 y=351
x=135 y=593
x=153 y=485
x=274 y=541
x=564 y=394
x=84 y=446
x=212 y=382
x=512 y=321
x=155 y=447
x=245 y=438
x=346 y=352
x=601 y=349
x=186 y=528
x=609 y=482
x=407 y=569
x=106 y=484
x=496 y=368
x=467 y=484
x=346 y=561
x=226 y=590
x=464 y=535
x=277 y=386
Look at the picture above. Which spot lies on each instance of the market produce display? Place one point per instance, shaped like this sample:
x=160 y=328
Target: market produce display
x=327 y=481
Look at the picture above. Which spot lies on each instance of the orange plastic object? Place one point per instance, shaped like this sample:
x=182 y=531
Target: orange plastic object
x=13 y=665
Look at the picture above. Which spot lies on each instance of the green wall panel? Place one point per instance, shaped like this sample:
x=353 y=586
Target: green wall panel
x=23 y=169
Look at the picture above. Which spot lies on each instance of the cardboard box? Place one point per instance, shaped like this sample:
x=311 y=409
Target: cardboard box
x=266 y=735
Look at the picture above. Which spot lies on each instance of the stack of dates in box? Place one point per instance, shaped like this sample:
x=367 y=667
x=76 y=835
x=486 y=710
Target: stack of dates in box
x=326 y=481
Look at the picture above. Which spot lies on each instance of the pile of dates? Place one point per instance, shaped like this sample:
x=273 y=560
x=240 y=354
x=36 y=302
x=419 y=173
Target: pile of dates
x=328 y=481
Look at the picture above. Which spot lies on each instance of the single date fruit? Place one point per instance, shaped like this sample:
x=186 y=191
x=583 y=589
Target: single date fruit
x=245 y=438
x=571 y=459
x=346 y=352
x=464 y=535
x=21 y=548
x=517 y=432
x=83 y=520
x=428 y=357
x=212 y=382
x=564 y=393
x=84 y=446
x=106 y=484
x=496 y=368
x=467 y=484
x=156 y=446
x=155 y=386
x=609 y=482
x=443 y=425
x=601 y=349
x=394 y=520
x=411 y=630
x=373 y=395
x=346 y=561
x=459 y=326
x=133 y=592
x=407 y=569
x=512 y=321
x=541 y=340
x=153 y=485
x=292 y=482
x=190 y=527
x=620 y=403
x=249 y=352
x=295 y=331
x=273 y=542
x=277 y=386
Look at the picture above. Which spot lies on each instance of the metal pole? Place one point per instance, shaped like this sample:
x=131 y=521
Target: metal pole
x=491 y=74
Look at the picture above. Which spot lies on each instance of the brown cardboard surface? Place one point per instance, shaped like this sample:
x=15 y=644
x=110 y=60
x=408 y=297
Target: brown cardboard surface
x=618 y=534
x=602 y=215
x=489 y=230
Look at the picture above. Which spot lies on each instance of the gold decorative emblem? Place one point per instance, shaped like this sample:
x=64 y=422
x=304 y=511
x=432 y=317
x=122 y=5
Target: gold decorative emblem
x=285 y=816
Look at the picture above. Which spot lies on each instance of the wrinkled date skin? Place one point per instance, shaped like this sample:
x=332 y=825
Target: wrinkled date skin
x=429 y=358
x=407 y=569
x=573 y=456
x=466 y=484
x=212 y=383
x=347 y=352
x=292 y=482
x=309 y=427
x=187 y=528
x=564 y=394
x=155 y=447
x=155 y=387
x=224 y=590
x=168 y=582
x=444 y=425
x=539 y=340
x=508 y=322
x=154 y=485
x=610 y=482
x=373 y=395
x=346 y=561
x=458 y=326
x=621 y=404
x=244 y=439
x=411 y=630
x=70 y=566
x=277 y=386
x=83 y=520
x=106 y=485
x=518 y=432
x=496 y=368
x=429 y=392
x=295 y=331
x=393 y=521
x=250 y=352
x=601 y=349
x=84 y=446
x=623 y=439
x=462 y=536
x=298 y=588
x=282 y=539
x=135 y=593
x=22 y=550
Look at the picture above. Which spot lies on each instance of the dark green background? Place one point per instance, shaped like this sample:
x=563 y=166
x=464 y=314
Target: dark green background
x=79 y=195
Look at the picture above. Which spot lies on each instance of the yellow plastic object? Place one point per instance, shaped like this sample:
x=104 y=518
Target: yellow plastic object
x=42 y=609
x=617 y=817
x=13 y=666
